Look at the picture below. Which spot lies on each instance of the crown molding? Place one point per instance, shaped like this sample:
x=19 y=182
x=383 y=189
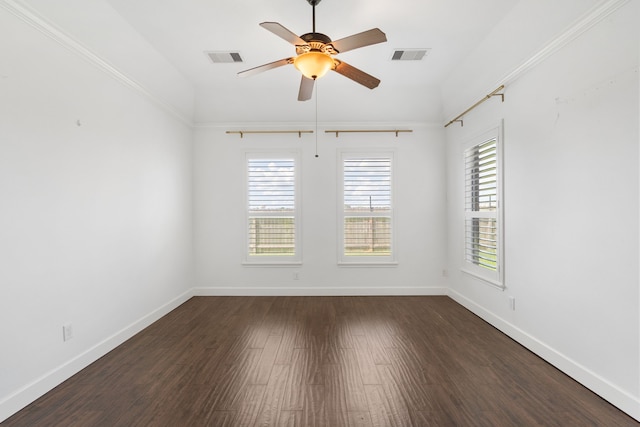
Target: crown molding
x=35 y=20
x=588 y=20
x=583 y=24
x=311 y=125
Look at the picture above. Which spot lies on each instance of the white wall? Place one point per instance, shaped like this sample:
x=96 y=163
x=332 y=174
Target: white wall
x=571 y=206
x=420 y=208
x=95 y=216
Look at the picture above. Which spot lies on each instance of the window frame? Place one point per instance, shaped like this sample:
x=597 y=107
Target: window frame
x=492 y=277
x=369 y=260
x=273 y=260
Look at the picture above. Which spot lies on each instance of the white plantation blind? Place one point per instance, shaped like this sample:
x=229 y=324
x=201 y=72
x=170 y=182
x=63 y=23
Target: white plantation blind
x=481 y=205
x=367 y=201
x=367 y=184
x=480 y=242
x=481 y=188
x=271 y=191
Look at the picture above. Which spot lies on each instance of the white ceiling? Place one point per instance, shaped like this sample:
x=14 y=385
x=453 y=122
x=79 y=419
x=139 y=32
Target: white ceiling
x=182 y=30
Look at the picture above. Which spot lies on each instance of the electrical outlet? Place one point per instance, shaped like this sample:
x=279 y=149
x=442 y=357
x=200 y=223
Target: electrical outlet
x=67 y=331
x=512 y=303
x=296 y=276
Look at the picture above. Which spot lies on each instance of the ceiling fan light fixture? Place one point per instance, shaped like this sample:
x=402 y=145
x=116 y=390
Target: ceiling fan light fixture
x=314 y=64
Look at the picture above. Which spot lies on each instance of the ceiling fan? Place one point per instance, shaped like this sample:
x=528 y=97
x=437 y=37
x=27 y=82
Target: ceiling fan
x=315 y=55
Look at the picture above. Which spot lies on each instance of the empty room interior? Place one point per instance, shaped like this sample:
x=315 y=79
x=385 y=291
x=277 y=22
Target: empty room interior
x=399 y=196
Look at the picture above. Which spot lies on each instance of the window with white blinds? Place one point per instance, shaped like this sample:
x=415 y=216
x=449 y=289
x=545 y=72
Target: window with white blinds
x=366 y=220
x=482 y=210
x=272 y=214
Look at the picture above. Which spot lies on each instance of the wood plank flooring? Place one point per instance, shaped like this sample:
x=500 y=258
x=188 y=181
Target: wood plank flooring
x=320 y=361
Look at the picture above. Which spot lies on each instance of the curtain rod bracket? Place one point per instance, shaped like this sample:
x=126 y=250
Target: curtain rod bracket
x=458 y=118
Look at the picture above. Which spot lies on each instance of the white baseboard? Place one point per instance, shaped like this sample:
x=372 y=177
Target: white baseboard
x=32 y=391
x=609 y=392
x=318 y=291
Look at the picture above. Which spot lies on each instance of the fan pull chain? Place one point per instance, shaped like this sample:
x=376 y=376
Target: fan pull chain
x=317 y=118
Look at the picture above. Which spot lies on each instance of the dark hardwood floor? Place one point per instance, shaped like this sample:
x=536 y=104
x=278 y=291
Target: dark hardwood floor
x=320 y=361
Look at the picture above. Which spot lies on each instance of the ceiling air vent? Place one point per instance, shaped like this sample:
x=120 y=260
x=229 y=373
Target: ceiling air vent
x=224 y=57
x=409 y=54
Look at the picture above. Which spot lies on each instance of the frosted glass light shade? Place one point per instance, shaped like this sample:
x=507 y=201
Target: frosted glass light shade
x=313 y=65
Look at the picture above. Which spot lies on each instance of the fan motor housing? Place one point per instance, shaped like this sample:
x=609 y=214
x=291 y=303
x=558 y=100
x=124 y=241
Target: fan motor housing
x=316 y=42
x=316 y=37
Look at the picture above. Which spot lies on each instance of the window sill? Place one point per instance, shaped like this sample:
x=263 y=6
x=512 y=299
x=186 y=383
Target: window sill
x=271 y=263
x=490 y=282
x=367 y=264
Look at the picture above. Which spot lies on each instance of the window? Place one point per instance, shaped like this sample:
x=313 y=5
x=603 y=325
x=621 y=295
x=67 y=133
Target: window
x=482 y=247
x=366 y=213
x=272 y=209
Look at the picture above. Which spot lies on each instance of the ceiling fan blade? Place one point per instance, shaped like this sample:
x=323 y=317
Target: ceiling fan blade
x=355 y=41
x=306 y=89
x=265 y=67
x=356 y=75
x=282 y=32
